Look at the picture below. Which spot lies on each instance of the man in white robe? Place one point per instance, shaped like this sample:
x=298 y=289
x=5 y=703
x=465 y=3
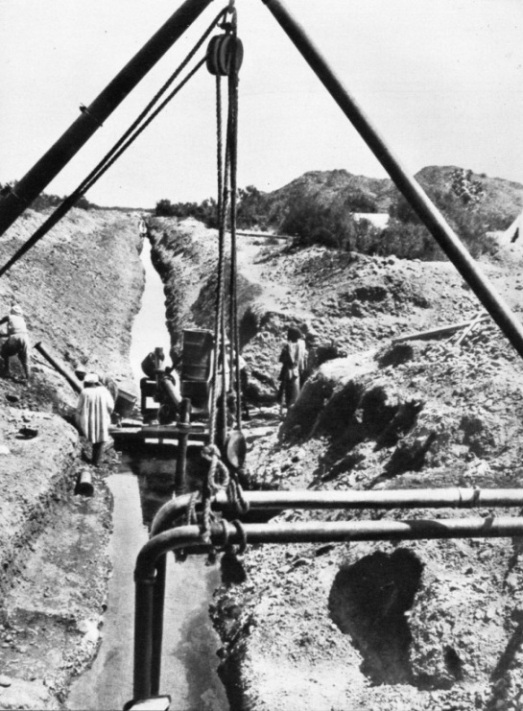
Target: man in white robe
x=93 y=414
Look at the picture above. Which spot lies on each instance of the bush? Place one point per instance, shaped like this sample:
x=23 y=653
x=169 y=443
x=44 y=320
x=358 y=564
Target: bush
x=45 y=201
x=309 y=223
x=250 y=209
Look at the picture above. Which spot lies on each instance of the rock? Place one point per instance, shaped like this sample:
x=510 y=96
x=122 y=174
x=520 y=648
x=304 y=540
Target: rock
x=5 y=680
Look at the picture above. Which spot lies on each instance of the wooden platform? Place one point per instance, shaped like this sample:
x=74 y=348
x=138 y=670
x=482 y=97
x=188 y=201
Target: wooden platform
x=132 y=435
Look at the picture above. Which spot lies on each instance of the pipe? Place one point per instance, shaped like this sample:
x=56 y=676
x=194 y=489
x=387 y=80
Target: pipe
x=321 y=531
x=157 y=636
x=427 y=212
x=453 y=497
x=143 y=638
x=308 y=532
x=93 y=116
x=442 y=330
x=180 y=476
x=84 y=483
x=73 y=382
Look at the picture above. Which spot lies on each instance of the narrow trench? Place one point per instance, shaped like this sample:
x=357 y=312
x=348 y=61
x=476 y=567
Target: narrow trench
x=189 y=659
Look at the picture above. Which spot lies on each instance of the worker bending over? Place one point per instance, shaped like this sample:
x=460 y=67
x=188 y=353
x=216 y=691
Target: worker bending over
x=17 y=341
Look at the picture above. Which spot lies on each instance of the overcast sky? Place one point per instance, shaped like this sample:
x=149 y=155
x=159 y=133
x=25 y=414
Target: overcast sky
x=441 y=81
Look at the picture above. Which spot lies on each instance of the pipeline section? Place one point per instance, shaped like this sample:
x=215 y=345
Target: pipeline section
x=147 y=617
x=150 y=564
x=452 y=497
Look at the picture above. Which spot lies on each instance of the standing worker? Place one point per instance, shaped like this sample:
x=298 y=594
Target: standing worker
x=93 y=414
x=142 y=227
x=293 y=359
x=17 y=341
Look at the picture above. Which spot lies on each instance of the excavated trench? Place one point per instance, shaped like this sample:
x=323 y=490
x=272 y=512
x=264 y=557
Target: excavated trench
x=143 y=484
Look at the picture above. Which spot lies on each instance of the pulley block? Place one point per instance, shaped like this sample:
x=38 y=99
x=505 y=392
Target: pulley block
x=222 y=51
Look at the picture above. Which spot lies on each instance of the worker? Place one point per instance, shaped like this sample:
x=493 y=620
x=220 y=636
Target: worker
x=244 y=384
x=93 y=414
x=17 y=341
x=81 y=371
x=169 y=396
x=143 y=227
x=312 y=360
x=293 y=359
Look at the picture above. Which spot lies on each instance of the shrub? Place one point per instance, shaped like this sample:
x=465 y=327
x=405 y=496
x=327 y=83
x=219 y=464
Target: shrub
x=309 y=223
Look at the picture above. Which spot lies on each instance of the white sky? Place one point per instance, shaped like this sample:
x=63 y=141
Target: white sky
x=441 y=81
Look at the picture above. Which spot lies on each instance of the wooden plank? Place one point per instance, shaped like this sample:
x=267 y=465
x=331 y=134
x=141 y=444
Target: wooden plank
x=441 y=331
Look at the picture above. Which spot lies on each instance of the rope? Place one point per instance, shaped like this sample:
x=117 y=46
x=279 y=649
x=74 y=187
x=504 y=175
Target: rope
x=235 y=339
x=118 y=149
x=219 y=321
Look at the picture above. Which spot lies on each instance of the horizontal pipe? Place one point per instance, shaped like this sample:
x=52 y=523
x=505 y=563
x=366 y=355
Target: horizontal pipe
x=390 y=498
x=321 y=532
x=453 y=497
x=440 y=331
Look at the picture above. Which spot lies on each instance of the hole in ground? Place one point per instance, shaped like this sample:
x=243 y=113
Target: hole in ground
x=368 y=601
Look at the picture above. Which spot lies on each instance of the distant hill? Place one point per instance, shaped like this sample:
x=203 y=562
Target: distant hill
x=499 y=204
x=356 y=193
x=498 y=201
x=324 y=207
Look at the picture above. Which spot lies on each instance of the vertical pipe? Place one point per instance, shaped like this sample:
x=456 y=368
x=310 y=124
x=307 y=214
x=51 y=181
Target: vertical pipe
x=157 y=628
x=143 y=645
x=92 y=117
x=180 y=476
x=427 y=212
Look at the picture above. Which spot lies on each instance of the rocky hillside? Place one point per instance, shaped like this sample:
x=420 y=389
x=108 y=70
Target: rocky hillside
x=499 y=201
x=406 y=626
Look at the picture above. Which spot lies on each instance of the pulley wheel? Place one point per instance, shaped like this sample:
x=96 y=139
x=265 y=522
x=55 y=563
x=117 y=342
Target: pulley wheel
x=221 y=52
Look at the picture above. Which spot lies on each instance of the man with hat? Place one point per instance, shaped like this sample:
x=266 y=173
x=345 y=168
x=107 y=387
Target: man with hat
x=93 y=414
x=17 y=341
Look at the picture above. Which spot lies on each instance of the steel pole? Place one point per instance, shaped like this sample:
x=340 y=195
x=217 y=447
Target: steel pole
x=413 y=192
x=180 y=475
x=93 y=116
